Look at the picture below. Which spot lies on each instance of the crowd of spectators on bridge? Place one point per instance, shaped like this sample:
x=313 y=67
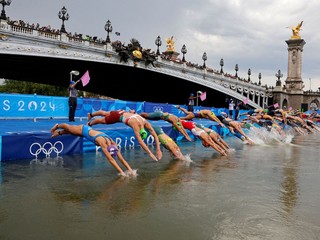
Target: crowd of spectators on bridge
x=82 y=37
x=49 y=29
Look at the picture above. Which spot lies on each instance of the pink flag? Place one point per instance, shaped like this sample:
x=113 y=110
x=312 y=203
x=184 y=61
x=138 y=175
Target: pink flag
x=276 y=105
x=85 y=78
x=203 y=96
x=245 y=101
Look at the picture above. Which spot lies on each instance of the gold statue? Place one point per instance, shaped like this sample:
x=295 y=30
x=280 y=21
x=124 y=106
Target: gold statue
x=170 y=44
x=137 y=53
x=296 y=30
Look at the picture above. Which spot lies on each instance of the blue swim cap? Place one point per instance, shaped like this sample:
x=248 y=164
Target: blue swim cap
x=112 y=149
x=72 y=82
x=191 y=94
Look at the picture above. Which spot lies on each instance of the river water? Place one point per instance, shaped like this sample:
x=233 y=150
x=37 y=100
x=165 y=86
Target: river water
x=263 y=191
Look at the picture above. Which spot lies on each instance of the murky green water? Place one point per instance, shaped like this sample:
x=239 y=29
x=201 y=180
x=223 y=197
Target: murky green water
x=258 y=192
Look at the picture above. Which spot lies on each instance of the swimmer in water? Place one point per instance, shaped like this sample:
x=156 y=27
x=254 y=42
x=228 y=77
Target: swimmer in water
x=108 y=146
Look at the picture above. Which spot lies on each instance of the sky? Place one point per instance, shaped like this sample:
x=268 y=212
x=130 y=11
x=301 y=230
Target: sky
x=250 y=33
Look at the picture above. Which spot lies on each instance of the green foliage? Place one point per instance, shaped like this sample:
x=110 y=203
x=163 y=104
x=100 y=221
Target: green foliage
x=21 y=87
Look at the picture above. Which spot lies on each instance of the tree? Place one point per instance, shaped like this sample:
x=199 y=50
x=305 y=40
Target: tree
x=22 y=87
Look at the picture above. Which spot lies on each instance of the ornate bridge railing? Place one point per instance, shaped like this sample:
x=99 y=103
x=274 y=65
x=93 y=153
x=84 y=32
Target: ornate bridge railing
x=22 y=39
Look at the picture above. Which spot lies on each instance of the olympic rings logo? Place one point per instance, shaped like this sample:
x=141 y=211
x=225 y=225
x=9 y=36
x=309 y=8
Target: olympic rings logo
x=47 y=148
x=157 y=109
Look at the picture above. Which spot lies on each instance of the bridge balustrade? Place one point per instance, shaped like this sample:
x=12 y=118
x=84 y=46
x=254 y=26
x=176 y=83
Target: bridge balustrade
x=196 y=73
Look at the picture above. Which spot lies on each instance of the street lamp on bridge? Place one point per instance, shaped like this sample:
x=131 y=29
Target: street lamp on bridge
x=204 y=58
x=184 y=51
x=64 y=16
x=278 y=75
x=259 y=76
x=3 y=13
x=236 y=68
x=221 y=65
x=158 y=43
x=74 y=72
x=108 y=28
x=249 y=73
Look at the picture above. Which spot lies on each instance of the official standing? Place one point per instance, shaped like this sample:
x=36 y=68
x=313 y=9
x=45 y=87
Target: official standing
x=73 y=94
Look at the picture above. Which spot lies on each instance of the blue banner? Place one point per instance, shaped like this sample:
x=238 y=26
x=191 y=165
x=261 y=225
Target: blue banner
x=31 y=106
x=37 y=106
x=32 y=146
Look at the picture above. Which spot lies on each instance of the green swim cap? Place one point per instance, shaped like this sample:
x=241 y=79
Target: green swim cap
x=143 y=134
x=179 y=125
x=265 y=110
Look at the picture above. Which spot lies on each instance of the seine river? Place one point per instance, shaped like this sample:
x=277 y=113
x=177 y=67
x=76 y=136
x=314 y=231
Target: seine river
x=266 y=191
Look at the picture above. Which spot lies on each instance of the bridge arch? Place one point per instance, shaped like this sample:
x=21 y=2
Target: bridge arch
x=31 y=55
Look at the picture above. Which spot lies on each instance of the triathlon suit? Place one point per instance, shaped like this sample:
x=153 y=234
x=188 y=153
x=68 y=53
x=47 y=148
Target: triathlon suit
x=163 y=139
x=165 y=117
x=202 y=115
x=155 y=115
x=136 y=116
x=199 y=125
x=192 y=127
x=114 y=116
x=224 y=120
x=85 y=132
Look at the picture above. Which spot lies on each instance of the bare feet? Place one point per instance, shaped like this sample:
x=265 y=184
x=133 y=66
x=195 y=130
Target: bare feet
x=89 y=116
x=55 y=127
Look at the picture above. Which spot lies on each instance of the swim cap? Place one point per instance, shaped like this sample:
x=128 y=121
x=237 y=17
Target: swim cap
x=112 y=149
x=72 y=82
x=224 y=114
x=191 y=94
x=143 y=134
x=179 y=125
x=205 y=144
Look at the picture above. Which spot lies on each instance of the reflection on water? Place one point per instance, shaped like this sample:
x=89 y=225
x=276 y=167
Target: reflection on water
x=265 y=191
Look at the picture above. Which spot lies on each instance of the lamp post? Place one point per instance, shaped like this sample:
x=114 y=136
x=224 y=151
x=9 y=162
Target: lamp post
x=259 y=76
x=158 y=43
x=204 y=58
x=3 y=13
x=108 y=28
x=278 y=75
x=249 y=73
x=310 y=84
x=64 y=16
x=73 y=72
x=221 y=65
x=236 y=68
x=184 y=51
x=198 y=93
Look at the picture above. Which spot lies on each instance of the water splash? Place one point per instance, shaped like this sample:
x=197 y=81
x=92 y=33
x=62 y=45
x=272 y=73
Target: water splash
x=129 y=174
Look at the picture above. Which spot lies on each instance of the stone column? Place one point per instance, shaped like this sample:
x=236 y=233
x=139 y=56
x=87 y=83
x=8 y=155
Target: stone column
x=294 y=83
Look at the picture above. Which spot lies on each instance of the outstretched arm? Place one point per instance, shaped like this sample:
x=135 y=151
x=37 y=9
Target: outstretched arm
x=141 y=142
x=153 y=133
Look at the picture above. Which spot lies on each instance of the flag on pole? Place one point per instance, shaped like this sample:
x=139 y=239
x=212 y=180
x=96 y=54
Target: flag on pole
x=203 y=96
x=276 y=105
x=85 y=78
x=245 y=101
